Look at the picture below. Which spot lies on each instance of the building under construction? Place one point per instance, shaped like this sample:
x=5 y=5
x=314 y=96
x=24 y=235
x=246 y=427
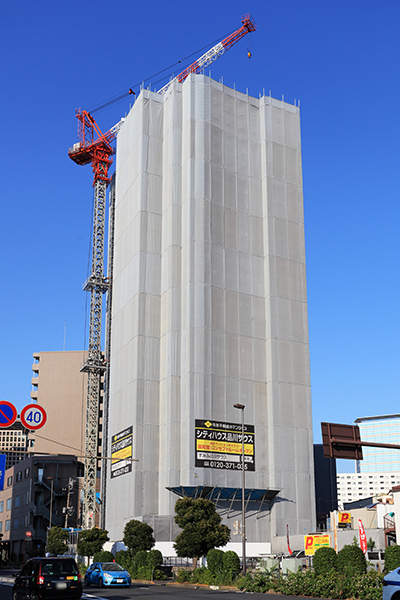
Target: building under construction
x=210 y=310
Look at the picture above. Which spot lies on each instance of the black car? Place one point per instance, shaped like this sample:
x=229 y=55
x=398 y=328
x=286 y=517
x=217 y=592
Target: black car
x=48 y=578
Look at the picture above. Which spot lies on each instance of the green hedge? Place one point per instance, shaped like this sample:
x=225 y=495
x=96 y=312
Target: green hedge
x=392 y=558
x=307 y=583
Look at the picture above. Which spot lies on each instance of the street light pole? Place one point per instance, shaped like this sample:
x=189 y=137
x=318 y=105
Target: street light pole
x=51 y=509
x=51 y=503
x=242 y=407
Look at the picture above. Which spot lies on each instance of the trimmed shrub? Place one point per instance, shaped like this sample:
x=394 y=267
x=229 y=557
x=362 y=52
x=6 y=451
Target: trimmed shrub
x=202 y=575
x=103 y=556
x=325 y=559
x=231 y=562
x=123 y=558
x=392 y=558
x=154 y=558
x=140 y=559
x=351 y=561
x=215 y=560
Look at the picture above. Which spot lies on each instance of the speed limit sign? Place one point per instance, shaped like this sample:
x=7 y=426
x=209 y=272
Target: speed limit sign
x=33 y=416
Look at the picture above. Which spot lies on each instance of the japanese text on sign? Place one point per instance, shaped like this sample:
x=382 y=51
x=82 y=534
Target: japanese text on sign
x=121 y=452
x=219 y=445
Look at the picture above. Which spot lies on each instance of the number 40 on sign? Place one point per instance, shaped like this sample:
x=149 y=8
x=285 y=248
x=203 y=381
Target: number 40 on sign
x=33 y=416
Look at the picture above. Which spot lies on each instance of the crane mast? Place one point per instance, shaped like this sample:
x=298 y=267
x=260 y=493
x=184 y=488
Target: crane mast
x=98 y=152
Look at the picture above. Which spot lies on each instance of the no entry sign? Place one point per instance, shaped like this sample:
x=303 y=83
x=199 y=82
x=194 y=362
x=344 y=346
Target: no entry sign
x=8 y=413
x=33 y=416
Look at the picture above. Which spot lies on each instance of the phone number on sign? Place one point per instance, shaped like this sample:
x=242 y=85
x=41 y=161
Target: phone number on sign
x=213 y=464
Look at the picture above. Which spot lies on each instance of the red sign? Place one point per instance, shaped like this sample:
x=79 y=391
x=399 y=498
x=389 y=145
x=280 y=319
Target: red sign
x=344 y=517
x=33 y=416
x=363 y=537
x=28 y=533
x=8 y=413
x=288 y=540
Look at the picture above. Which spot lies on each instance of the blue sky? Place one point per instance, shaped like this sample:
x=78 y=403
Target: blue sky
x=340 y=59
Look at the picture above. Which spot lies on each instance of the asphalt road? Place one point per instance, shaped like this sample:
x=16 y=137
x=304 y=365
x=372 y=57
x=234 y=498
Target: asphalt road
x=153 y=592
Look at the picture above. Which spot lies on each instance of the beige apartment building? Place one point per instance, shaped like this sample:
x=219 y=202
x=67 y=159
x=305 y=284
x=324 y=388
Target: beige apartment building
x=60 y=388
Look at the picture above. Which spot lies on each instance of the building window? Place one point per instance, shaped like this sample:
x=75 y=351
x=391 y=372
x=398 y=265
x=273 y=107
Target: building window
x=17 y=502
x=16 y=523
x=1 y=525
x=1 y=506
x=8 y=525
x=26 y=472
x=9 y=480
x=8 y=505
x=19 y=475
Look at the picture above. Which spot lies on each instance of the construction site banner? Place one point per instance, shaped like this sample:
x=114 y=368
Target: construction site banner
x=219 y=445
x=121 y=452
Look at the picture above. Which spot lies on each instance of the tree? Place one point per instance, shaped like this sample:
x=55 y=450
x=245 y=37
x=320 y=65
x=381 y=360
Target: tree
x=201 y=528
x=138 y=536
x=57 y=541
x=370 y=544
x=103 y=556
x=90 y=541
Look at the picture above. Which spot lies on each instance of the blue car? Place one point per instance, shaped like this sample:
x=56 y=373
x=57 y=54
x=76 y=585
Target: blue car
x=109 y=573
x=391 y=585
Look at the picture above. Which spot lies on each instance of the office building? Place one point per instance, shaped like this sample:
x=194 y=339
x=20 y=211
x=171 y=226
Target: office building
x=326 y=497
x=15 y=442
x=385 y=430
x=210 y=310
x=355 y=486
x=39 y=492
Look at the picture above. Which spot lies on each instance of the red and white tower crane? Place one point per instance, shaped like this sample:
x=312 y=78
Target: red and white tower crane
x=96 y=148
x=248 y=25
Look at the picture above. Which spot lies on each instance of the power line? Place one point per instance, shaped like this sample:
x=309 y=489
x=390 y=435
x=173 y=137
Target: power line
x=121 y=96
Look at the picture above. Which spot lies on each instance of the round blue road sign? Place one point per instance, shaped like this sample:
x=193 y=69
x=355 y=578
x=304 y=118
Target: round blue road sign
x=8 y=413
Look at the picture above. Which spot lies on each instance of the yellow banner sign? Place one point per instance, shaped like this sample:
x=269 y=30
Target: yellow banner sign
x=121 y=454
x=226 y=447
x=313 y=542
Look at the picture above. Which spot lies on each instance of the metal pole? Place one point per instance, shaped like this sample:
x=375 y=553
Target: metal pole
x=51 y=503
x=51 y=509
x=242 y=407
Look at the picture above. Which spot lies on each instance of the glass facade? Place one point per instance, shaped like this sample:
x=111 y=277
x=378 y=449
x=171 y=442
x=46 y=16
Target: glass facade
x=383 y=429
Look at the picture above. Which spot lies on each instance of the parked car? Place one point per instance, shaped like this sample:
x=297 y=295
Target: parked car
x=376 y=559
x=391 y=585
x=48 y=578
x=109 y=573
